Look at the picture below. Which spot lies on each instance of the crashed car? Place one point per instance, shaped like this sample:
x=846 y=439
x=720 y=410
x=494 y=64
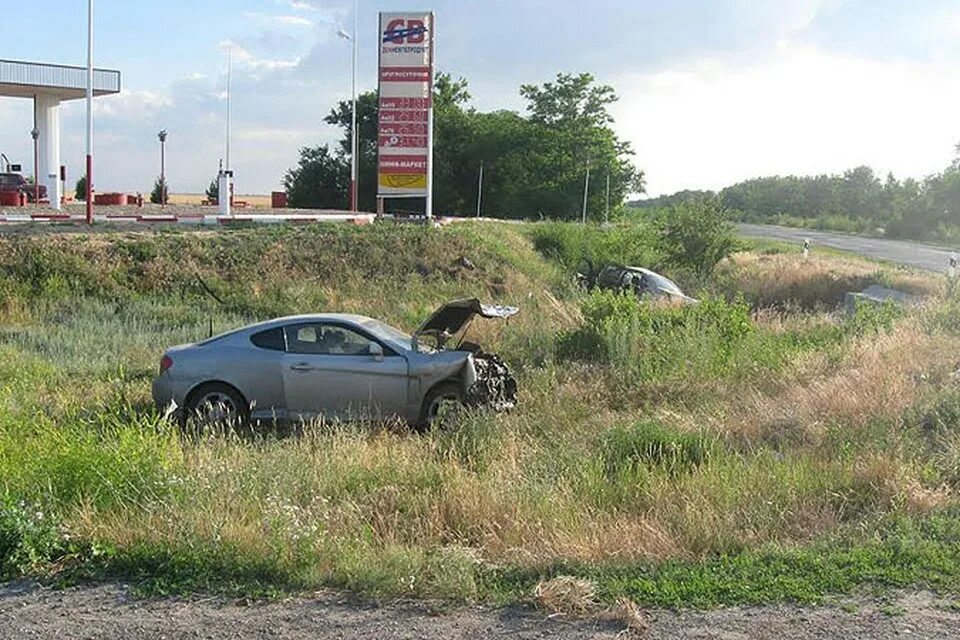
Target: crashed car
x=642 y=282
x=335 y=366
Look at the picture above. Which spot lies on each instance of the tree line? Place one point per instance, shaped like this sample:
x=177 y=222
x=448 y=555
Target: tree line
x=534 y=163
x=856 y=201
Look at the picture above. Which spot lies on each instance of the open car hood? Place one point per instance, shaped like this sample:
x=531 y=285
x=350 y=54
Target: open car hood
x=453 y=317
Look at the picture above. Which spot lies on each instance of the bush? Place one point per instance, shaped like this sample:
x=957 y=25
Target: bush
x=213 y=191
x=650 y=444
x=29 y=538
x=80 y=191
x=650 y=340
x=160 y=190
x=696 y=236
x=872 y=318
x=571 y=244
x=947 y=316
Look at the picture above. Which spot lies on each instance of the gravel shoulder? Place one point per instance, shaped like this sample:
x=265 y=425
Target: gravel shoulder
x=108 y=611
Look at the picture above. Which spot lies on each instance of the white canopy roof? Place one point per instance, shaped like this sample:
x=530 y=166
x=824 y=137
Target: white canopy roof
x=26 y=79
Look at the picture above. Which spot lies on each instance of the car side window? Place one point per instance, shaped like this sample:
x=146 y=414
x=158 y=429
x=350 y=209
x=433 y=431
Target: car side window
x=271 y=339
x=326 y=339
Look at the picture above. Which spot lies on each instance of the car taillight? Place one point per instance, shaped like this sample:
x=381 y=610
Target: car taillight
x=165 y=363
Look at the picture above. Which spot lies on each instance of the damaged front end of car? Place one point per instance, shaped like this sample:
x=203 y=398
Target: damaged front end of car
x=488 y=382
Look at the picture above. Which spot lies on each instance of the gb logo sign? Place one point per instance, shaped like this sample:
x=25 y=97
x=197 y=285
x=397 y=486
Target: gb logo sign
x=403 y=31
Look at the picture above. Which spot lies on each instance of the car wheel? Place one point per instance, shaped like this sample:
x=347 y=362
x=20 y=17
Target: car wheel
x=216 y=405
x=442 y=396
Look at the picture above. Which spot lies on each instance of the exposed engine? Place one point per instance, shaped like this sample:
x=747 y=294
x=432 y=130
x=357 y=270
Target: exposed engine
x=495 y=387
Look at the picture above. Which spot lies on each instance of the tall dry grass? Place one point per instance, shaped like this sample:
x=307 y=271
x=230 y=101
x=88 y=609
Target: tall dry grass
x=794 y=436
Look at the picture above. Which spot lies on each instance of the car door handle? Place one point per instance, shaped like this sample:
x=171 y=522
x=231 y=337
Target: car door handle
x=301 y=366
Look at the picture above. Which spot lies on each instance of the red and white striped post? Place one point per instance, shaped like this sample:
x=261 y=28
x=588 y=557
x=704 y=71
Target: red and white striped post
x=89 y=111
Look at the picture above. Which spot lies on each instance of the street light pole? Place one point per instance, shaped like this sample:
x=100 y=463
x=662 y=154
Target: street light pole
x=355 y=160
x=163 y=179
x=606 y=211
x=586 y=192
x=35 y=134
x=89 y=111
x=480 y=189
x=354 y=142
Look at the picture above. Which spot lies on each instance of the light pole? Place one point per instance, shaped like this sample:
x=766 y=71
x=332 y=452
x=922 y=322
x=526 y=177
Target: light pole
x=354 y=143
x=480 y=189
x=35 y=134
x=606 y=211
x=163 y=179
x=586 y=192
x=89 y=111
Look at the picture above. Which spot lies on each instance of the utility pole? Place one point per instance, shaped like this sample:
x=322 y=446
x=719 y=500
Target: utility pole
x=586 y=192
x=480 y=189
x=163 y=178
x=89 y=111
x=606 y=211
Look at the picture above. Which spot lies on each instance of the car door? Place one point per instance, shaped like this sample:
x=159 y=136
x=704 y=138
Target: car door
x=329 y=371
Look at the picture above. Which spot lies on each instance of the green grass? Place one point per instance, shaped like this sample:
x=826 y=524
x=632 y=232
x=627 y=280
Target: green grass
x=633 y=459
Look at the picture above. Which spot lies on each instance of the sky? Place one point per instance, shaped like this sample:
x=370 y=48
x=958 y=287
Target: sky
x=711 y=92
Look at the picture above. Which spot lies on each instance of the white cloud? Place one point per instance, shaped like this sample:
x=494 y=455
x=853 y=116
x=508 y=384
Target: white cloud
x=801 y=111
x=131 y=105
x=298 y=5
x=244 y=58
x=278 y=20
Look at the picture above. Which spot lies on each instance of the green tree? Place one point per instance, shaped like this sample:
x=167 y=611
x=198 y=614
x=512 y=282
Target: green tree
x=533 y=165
x=321 y=180
x=213 y=191
x=340 y=116
x=80 y=190
x=160 y=192
x=571 y=130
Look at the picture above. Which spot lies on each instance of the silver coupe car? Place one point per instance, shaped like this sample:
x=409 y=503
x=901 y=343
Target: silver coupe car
x=335 y=366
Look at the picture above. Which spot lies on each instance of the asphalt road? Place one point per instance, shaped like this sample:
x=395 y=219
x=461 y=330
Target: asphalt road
x=912 y=254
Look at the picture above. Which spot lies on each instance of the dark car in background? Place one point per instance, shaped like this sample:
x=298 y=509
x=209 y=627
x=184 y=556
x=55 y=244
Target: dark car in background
x=644 y=283
x=16 y=182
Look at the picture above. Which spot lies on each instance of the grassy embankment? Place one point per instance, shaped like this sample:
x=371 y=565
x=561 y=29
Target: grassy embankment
x=757 y=447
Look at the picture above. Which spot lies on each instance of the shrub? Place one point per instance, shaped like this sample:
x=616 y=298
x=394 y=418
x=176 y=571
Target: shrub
x=29 y=538
x=650 y=340
x=213 y=191
x=80 y=191
x=650 y=444
x=696 y=236
x=160 y=190
x=870 y=318
x=571 y=244
x=947 y=316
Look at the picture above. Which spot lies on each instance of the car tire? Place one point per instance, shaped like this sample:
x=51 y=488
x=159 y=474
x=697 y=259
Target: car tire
x=215 y=405
x=443 y=393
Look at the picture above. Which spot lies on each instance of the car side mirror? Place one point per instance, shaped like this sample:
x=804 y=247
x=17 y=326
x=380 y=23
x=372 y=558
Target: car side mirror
x=376 y=351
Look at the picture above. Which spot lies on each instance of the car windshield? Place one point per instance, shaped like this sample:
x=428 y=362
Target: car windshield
x=665 y=284
x=388 y=333
x=9 y=179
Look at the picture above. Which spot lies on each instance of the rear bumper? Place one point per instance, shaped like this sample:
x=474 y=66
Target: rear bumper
x=163 y=394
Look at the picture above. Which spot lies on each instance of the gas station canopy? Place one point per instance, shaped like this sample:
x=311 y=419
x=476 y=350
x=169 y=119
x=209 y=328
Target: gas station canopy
x=27 y=79
x=49 y=85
